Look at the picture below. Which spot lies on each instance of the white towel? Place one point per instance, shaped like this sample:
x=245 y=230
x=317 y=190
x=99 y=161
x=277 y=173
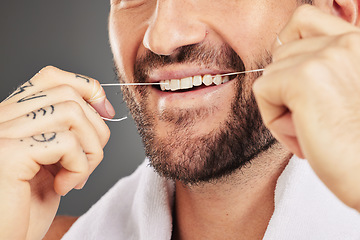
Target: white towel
x=306 y=209
x=137 y=207
x=140 y=207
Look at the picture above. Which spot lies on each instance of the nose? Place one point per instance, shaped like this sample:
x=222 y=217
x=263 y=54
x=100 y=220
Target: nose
x=174 y=24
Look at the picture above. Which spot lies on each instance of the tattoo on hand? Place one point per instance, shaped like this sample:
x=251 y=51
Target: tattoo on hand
x=83 y=77
x=20 y=89
x=34 y=115
x=30 y=97
x=52 y=109
x=45 y=137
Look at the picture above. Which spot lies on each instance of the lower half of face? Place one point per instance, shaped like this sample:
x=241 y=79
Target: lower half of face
x=208 y=129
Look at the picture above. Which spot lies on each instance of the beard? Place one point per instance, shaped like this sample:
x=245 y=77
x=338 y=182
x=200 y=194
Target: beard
x=183 y=155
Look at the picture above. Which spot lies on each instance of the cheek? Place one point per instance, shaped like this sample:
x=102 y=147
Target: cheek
x=126 y=36
x=252 y=25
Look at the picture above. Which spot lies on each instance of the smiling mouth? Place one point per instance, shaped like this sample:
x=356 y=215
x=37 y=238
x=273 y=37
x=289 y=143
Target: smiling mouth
x=192 y=83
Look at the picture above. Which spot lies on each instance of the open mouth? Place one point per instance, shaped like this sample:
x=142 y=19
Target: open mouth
x=192 y=83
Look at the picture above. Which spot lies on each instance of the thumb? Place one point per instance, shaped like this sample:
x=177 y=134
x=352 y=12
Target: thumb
x=104 y=108
x=100 y=103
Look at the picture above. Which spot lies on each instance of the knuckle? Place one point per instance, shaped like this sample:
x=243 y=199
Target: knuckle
x=48 y=70
x=310 y=67
x=104 y=133
x=73 y=147
x=99 y=155
x=73 y=110
x=71 y=142
x=302 y=14
x=350 y=40
x=69 y=92
x=335 y=53
x=74 y=118
x=105 y=136
x=107 y=133
x=46 y=74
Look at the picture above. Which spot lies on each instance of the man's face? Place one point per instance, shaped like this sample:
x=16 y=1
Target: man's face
x=204 y=132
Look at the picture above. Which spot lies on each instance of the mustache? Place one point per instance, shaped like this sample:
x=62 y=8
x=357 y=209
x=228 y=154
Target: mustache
x=202 y=55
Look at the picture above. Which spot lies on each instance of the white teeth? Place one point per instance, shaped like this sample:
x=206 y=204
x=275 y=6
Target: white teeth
x=190 y=82
x=197 y=80
x=174 y=84
x=186 y=83
x=217 y=80
x=167 y=85
x=162 y=85
x=207 y=80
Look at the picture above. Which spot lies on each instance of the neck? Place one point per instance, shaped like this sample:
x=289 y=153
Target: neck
x=238 y=207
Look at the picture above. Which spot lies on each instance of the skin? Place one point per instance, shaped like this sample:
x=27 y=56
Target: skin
x=197 y=22
x=308 y=121
x=320 y=55
x=45 y=127
x=188 y=23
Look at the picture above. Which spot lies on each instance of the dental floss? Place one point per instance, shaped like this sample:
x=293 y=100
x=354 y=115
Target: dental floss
x=236 y=73
x=128 y=84
x=145 y=84
x=114 y=120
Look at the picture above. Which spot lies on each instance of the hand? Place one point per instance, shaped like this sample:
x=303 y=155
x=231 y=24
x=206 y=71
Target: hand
x=51 y=140
x=309 y=97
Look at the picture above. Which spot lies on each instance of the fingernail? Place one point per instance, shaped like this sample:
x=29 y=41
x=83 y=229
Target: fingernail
x=103 y=108
x=109 y=108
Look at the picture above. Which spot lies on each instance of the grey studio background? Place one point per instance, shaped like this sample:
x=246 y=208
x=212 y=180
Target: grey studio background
x=71 y=35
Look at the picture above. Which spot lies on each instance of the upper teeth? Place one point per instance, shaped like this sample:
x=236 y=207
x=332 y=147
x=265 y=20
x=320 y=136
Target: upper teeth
x=190 y=82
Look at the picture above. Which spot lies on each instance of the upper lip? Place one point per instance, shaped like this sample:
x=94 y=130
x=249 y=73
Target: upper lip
x=179 y=73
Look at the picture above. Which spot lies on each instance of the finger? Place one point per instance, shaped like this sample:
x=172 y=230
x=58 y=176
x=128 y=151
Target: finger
x=275 y=95
x=62 y=147
x=81 y=185
x=309 y=21
x=34 y=109
x=49 y=77
x=66 y=149
x=293 y=63
x=277 y=117
x=54 y=119
x=296 y=48
x=284 y=131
